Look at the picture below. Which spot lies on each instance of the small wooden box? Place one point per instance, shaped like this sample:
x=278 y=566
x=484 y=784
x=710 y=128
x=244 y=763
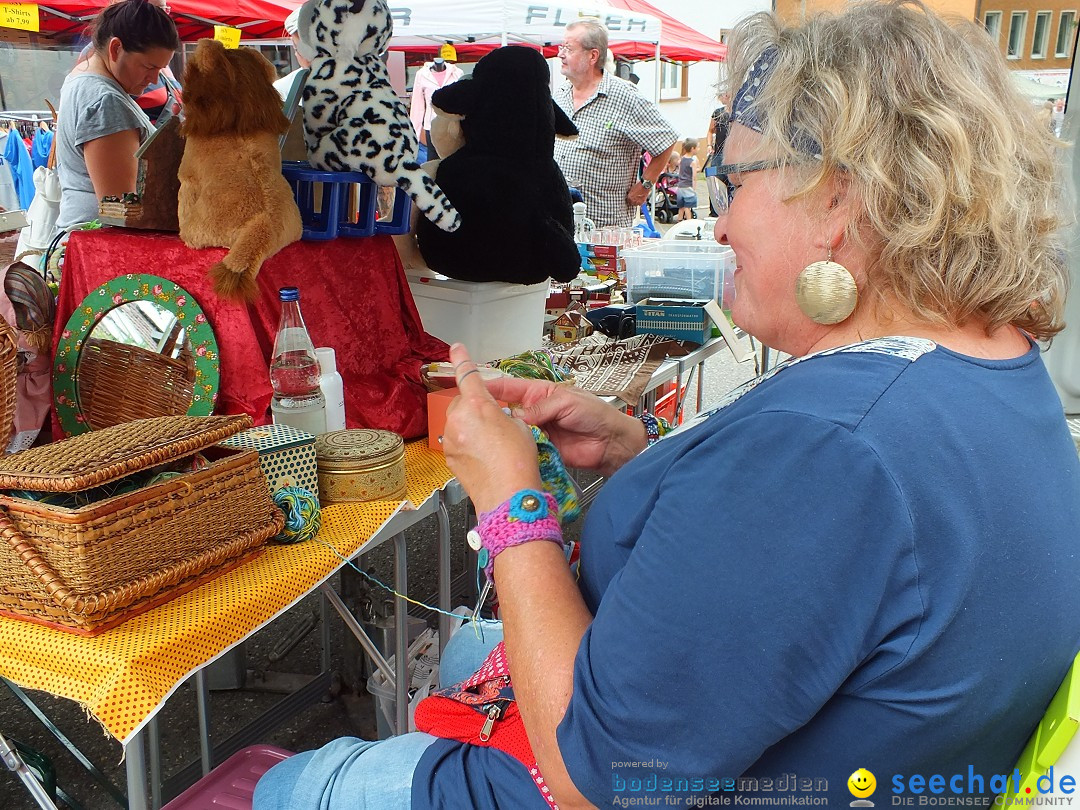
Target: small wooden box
x=437 y=403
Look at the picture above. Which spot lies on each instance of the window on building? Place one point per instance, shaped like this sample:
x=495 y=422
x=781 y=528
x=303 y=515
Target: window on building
x=992 y=21
x=1066 y=26
x=1017 y=26
x=1042 y=35
x=673 y=80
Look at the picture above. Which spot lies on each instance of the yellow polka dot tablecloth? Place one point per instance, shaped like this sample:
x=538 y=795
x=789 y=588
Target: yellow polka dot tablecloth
x=124 y=675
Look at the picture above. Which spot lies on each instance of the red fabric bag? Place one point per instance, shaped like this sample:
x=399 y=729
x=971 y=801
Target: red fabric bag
x=482 y=711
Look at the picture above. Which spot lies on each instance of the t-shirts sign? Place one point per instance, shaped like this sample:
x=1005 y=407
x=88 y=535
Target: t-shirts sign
x=227 y=36
x=23 y=16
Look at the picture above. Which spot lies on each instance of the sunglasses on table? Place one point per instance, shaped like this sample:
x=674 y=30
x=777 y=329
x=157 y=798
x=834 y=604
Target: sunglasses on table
x=718 y=179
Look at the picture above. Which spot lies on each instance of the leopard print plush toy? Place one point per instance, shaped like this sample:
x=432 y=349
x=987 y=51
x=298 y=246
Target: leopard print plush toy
x=353 y=120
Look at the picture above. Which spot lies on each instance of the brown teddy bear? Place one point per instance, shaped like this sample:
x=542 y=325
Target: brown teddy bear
x=232 y=192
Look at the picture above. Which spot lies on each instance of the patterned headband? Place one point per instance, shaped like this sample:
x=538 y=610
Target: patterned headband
x=745 y=111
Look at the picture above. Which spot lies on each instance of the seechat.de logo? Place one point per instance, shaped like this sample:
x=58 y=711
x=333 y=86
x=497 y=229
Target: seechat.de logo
x=862 y=785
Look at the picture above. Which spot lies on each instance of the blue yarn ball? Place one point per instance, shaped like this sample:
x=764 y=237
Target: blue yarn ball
x=303 y=517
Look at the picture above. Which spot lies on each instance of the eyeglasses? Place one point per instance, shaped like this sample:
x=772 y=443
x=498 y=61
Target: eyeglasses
x=717 y=178
x=571 y=49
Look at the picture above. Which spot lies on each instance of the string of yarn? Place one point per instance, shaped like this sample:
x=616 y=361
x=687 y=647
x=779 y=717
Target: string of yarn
x=473 y=618
x=303 y=518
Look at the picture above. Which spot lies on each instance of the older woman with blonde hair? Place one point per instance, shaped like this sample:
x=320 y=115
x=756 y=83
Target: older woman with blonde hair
x=866 y=558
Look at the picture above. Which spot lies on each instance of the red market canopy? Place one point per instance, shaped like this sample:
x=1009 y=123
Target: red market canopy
x=256 y=19
x=262 y=19
x=678 y=41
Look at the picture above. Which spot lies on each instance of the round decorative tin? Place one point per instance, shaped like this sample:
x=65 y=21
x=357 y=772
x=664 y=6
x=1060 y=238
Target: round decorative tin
x=360 y=465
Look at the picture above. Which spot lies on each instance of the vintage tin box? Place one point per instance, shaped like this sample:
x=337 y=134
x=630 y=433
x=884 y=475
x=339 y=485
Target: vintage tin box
x=360 y=465
x=286 y=455
x=674 y=318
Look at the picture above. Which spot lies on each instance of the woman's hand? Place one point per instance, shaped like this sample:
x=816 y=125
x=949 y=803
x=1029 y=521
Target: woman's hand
x=589 y=433
x=490 y=453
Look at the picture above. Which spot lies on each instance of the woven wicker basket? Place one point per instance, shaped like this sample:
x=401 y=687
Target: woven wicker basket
x=92 y=567
x=9 y=372
x=106 y=395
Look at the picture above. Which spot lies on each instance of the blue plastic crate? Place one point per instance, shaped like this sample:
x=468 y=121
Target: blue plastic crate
x=333 y=219
x=674 y=318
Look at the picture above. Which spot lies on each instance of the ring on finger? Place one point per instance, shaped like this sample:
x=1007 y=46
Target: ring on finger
x=461 y=379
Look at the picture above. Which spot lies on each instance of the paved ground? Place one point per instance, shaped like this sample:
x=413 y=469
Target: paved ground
x=347 y=710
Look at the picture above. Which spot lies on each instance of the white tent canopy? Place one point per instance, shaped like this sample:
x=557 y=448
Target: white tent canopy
x=1036 y=91
x=423 y=23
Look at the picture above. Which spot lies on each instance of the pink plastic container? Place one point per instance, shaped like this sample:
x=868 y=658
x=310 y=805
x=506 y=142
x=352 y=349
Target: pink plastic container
x=232 y=783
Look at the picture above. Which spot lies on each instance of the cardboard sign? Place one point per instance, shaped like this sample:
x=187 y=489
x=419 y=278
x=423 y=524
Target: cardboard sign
x=227 y=36
x=448 y=52
x=23 y=16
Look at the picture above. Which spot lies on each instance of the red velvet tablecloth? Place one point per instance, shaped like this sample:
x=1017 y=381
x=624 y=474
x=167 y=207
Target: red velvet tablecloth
x=353 y=294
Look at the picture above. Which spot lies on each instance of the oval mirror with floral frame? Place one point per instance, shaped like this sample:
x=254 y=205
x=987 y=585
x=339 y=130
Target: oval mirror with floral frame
x=137 y=346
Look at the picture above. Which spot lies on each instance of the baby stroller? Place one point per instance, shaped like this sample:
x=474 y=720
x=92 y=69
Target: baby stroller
x=666 y=197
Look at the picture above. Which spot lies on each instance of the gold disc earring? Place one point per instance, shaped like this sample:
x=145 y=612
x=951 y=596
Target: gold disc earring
x=826 y=292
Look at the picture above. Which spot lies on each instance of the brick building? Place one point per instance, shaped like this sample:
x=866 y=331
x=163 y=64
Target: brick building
x=1032 y=34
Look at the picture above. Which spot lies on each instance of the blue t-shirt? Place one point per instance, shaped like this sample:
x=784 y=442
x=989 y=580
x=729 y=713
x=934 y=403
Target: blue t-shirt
x=863 y=562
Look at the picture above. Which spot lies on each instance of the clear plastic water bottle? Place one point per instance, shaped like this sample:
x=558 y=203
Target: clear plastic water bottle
x=294 y=371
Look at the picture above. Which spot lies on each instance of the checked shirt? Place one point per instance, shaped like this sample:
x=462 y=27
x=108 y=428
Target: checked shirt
x=615 y=125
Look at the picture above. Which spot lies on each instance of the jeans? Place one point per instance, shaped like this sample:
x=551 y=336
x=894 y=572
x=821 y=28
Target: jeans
x=346 y=774
x=353 y=774
x=466 y=651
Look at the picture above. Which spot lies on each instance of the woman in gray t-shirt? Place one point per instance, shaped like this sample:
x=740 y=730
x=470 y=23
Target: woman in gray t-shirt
x=100 y=127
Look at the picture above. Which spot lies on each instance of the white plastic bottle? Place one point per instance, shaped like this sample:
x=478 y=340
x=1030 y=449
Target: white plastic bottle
x=333 y=388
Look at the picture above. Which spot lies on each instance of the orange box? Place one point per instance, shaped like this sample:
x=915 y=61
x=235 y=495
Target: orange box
x=437 y=403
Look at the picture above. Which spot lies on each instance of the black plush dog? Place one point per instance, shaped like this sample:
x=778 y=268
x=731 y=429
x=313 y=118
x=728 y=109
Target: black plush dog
x=517 y=221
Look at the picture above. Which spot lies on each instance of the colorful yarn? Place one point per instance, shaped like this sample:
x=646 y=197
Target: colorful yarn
x=557 y=481
x=535 y=365
x=303 y=518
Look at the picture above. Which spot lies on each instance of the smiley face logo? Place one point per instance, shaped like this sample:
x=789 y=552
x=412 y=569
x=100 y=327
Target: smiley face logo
x=862 y=783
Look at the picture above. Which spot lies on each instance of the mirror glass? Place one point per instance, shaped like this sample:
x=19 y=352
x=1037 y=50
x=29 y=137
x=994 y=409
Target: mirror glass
x=139 y=346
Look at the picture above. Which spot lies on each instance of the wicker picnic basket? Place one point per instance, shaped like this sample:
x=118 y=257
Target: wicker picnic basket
x=90 y=567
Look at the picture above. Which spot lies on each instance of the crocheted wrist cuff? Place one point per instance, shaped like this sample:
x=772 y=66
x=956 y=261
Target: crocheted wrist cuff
x=655 y=427
x=528 y=515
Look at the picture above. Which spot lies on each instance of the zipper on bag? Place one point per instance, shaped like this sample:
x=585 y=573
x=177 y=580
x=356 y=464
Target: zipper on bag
x=493 y=714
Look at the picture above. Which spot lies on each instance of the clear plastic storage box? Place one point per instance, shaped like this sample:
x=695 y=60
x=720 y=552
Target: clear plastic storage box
x=681 y=269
